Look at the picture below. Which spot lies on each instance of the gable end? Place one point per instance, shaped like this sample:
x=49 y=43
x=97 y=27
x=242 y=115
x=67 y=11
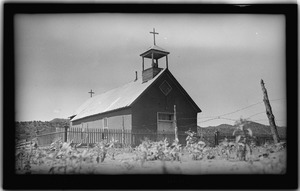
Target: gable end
x=182 y=90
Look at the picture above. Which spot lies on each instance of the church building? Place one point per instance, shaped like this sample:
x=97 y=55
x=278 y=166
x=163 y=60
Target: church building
x=145 y=104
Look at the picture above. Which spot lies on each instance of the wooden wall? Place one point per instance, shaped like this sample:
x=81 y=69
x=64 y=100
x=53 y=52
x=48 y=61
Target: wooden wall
x=144 y=111
x=114 y=119
x=150 y=73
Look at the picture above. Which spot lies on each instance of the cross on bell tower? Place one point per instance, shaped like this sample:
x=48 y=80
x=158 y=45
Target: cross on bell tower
x=154 y=33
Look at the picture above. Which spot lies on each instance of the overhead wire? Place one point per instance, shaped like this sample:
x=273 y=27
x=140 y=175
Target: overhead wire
x=241 y=109
x=260 y=102
x=255 y=114
x=221 y=116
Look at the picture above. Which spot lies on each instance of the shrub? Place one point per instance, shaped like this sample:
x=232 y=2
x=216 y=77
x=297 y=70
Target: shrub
x=243 y=138
x=197 y=148
x=161 y=150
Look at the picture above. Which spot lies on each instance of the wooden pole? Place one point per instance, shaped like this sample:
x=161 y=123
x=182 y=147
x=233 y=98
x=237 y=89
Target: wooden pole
x=66 y=134
x=87 y=136
x=167 y=61
x=270 y=114
x=175 y=125
x=216 y=138
x=152 y=59
x=36 y=135
x=123 y=129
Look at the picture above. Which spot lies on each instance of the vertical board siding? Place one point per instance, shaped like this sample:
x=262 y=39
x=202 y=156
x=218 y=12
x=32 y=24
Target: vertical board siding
x=96 y=135
x=114 y=119
x=116 y=122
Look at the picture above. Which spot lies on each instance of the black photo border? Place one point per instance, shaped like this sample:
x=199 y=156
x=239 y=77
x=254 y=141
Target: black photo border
x=14 y=181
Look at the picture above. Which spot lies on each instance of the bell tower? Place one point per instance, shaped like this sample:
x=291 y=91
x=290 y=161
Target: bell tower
x=154 y=53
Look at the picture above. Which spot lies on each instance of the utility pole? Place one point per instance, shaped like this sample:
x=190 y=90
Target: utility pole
x=175 y=125
x=270 y=114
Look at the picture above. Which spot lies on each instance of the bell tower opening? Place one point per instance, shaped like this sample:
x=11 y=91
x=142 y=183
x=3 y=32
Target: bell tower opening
x=154 y=53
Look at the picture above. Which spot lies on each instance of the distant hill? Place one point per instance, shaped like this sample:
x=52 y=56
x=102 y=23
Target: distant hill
x=60 y=120
x=257 y=129
x=27 y=129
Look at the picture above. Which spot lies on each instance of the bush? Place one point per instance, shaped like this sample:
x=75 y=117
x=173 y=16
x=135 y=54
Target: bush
x=63 y=157
x=161 y=150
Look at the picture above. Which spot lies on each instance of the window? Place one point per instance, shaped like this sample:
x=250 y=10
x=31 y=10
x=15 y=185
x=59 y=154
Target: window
x=105 y=123
x=165 y=117
x=165 y=87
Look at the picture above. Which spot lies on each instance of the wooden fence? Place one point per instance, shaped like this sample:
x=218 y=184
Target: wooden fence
x=138 y=137
x=48 y=138
x=132 y=138
x=96 y=135
x=124 y=137
x=23 y=144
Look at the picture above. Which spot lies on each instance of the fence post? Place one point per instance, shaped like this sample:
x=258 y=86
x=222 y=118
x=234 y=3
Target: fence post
x=66 y=133
x=37 y=136
x=175 y=125
x=123 y=129
x=132 y=138
x=217 y=138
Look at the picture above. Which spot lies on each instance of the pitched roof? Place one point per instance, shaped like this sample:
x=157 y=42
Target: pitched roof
x=117 y=98
x=158 y=52
x=155 y=47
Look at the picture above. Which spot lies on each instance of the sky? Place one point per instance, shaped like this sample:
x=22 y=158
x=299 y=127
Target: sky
x=218 y=59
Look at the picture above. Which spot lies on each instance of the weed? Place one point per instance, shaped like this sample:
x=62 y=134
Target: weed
x=160 y=150
x=243 y=139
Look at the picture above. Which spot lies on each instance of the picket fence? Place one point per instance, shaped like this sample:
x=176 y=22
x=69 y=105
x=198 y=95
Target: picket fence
x=133 y=138
x=125 y=137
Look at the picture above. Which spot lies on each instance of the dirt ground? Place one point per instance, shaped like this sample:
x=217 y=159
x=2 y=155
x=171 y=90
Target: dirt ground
x=125 y=163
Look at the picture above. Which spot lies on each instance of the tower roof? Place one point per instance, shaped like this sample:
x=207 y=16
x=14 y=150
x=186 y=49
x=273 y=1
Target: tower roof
x=157 y=51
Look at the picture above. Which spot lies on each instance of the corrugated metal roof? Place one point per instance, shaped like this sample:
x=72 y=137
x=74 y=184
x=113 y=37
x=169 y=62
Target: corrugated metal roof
x=114 y=99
